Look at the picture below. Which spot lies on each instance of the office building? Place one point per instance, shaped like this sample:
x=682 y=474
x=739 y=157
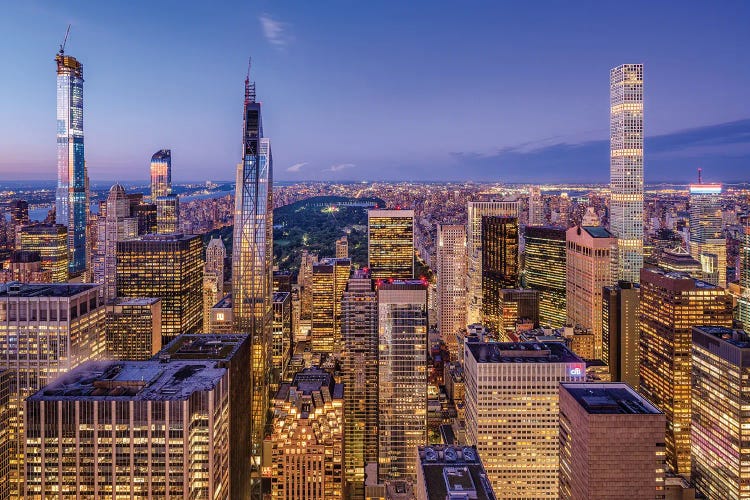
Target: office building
x=592 y=418
x=359 y=374
x=515 y=307
x=743 y=303
x=181 y=418
x=216 y=253
x=6 y=433
x=671 y=304
x=512 y=398
x=115 y=224
x=588 y=271
x=221 y=319
x=500 y=269
x=329 y=278
x=282 y=336
x=545 y=271
x=71 y=196
x=252 y=262
x=50 y=241
x=476 y=211
x=451 y=283
x=451 y=472
x=26 y=267
x=402 y=377
x=169 y=267
x=161 y=174
x=133 y=328
x=146 y=215
x=304 y=280
x=282 y=281
x=167 y=214
x=621 y=332
x=680 y=260
x=19 y=213
x=211 y=295
x=720 y=420
x=45 y=331
x=342 y=248
x=536 y=207
x=626 y=168
x=390 y=248
x=707 y=243
x=308 y=438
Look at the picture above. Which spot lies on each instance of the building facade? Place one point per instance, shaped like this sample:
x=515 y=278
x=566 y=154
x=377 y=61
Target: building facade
x=512 y=399
x=451 y=283
x=626 y=168
x=282 y=337
x=181 y=420
x=707 y=243
x=133 y=328
x=71 y=196
x=167 y=214
x=390 y=247
x=545 y=270
x=161 y=174
x=114 y=225
x=621 y=332
x=500 y=268
x=588 y=270
x=476 y=210
x=592 y=417
x=168 y=267
x=536 y=207
x=329 y=278
x=50 y=241
x=308 y=438
x=402 y=377
x=671 y=304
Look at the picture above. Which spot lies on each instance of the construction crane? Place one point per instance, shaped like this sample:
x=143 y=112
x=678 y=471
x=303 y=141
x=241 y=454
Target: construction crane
x=65 y=40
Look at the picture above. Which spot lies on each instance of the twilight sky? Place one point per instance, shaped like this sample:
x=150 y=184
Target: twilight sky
x=417 y=90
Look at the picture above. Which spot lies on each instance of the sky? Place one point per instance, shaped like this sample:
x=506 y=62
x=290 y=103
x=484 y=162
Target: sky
x=380 y=90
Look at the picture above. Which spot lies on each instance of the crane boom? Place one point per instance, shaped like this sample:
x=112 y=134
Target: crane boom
x=65 y=40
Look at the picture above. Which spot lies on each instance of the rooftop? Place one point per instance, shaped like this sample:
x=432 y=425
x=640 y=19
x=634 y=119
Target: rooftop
x=454 y=472
x=680 y=276
x=737 y=338
x=279 y=296
x=224 y=303
x=17 y=289
x=521 y=352
x=597 y=231
x=220 y=347
x=134 y=301
x=159 y=237
x=609 y=398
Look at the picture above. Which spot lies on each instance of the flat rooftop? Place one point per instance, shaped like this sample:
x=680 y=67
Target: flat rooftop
x=134 y=301
x=521 y=352
x=454 y=472
x=609 y=398
x=679 y=275
x=597 y=231
x=201 y=346
x=16 y=289
x=224 y=303
x=280 y=296
x=149 y=380
x=737 y=338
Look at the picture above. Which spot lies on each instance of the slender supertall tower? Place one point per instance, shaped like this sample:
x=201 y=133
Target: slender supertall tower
x=626 y=167
x=71 y=196
x=252 y=281
x=161 y=174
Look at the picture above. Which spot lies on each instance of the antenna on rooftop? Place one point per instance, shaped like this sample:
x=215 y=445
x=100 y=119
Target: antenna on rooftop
x=700 y=175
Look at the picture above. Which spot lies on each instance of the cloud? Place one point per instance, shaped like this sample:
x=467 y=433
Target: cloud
x=296 y=167
x=723 y=150
x=275 y=31
x=339 y=167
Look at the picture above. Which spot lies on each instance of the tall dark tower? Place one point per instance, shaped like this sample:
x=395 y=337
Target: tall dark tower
x=252 y=259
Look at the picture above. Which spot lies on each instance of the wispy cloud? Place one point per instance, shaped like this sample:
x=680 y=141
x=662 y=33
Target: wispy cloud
x=339 y=167
x=296 y=167
x=276 y=32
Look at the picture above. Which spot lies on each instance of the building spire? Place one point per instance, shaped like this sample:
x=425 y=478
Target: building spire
x=249 y=86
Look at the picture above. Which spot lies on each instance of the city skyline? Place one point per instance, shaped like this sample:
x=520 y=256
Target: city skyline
x=525 y=122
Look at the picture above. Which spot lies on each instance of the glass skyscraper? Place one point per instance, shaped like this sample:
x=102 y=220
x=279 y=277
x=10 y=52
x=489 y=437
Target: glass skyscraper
x=252 y=270
x=161 y=174
x=71 y=197
x=626 y=168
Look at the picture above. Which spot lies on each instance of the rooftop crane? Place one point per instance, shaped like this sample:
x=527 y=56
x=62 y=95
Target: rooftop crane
x=65 y=40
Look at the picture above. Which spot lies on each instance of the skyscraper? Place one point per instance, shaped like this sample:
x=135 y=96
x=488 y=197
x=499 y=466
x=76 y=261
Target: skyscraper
x=213 y=278
x=671 y=304
x=621 y=332
x=592 y=418
x=342 y=248
x=707 y=243
x=133 y=328
x=173 y=426
x=477 y=210
x=308 y=438
x=359 y=373
x=451 y=472
x=390 y=247
x=720 y=420
x=71 y=196
x=329 y=280
x=169 y=267
x=402 y=377
x=743 y=304
x=499 y=265
x=51 y=242
x=115 y=225
x=536 y=207
x=161 y=174
x=451 y=283
x=626 y=168
x=282 y=336
x=512 y=397
x=544 y=270
x=588 y=271
x=45 y=331
x=167 y=214
x=216 y=252
x=252 y=261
